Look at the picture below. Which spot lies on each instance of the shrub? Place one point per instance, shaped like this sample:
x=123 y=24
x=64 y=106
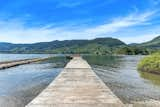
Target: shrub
x=150 y=63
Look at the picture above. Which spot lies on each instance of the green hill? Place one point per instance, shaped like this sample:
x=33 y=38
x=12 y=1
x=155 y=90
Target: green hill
x=155 y=43
x=98 y=46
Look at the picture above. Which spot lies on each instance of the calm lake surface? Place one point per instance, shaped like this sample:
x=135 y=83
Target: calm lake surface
x=120 y=74
x=19 y=85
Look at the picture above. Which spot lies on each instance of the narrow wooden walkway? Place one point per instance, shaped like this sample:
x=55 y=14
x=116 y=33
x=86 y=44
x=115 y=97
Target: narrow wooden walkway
x=76 y=86
x=9 y=64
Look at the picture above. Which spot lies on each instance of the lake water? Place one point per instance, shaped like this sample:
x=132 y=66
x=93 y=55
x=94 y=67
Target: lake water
x=19 y=85
x=120 y=74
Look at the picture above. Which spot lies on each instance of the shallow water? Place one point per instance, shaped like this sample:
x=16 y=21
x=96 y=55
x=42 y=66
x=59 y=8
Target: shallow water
x=19 y=85
x=120 y=74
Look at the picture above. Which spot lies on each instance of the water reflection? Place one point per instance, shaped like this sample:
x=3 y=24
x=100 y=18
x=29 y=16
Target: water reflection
x=154 y=78
x=104 y=61
x=121 y=75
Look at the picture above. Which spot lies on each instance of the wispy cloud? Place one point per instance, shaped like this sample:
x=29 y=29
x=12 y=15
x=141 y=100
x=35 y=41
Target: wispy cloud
x=155 y=2
x=70 y=3
x=14 y=31
x=140 y=38
x=123 y=22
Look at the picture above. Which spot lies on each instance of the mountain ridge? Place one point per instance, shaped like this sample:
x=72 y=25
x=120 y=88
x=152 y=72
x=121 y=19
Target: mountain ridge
x=154 y=43
x=97 y=46
x=53 y=46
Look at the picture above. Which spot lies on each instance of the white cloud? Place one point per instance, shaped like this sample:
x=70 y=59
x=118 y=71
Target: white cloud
x=14 y=31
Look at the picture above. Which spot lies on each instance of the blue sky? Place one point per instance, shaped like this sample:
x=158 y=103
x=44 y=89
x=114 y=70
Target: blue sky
x=29 y=21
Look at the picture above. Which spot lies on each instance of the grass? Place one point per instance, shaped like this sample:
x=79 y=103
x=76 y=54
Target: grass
x=150 y=63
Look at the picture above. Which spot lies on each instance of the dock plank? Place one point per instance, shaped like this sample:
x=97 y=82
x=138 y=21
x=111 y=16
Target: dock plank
x=9 y=64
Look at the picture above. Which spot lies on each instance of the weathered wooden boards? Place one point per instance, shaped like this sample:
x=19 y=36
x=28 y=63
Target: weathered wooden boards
x=76 y=86
x=9 y=64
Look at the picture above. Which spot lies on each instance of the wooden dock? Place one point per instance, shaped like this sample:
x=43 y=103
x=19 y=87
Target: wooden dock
x=9 y=64
x=76 y=86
